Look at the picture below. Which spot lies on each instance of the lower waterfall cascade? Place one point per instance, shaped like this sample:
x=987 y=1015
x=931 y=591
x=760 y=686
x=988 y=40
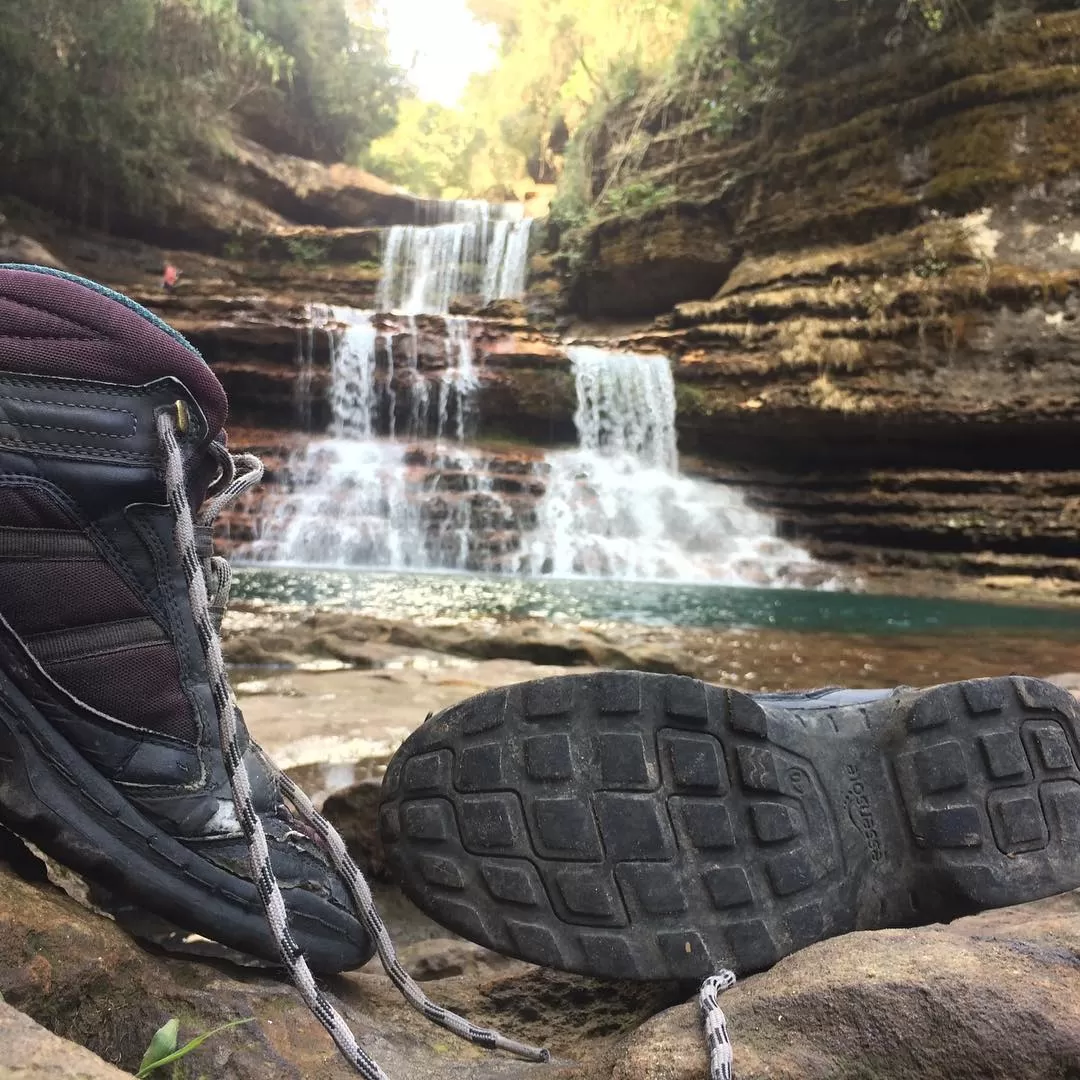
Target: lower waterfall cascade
x=397 y=485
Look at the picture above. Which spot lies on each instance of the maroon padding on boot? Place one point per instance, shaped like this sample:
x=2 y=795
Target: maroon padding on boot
x=42 y=595
x=54 y=326
x=25 y=509
x=105 y=683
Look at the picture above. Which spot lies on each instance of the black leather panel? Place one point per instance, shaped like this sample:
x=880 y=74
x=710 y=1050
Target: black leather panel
x=171 y=780
x=99 y=421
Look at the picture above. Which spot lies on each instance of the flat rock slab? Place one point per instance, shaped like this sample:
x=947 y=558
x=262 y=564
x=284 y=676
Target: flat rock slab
x=995 y=996
x=293 y=715
x=30 y=1052
x=991 y=997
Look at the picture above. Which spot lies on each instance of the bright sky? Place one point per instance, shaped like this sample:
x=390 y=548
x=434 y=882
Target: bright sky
x=440 y=43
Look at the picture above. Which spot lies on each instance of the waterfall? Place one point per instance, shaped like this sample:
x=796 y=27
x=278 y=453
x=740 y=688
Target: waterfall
x=363 y=496
x=395 y=485
x=385 y=503
x=617 y=506
x=625 y=406
x=475 y=250
x=353 y=399
x=459 y=380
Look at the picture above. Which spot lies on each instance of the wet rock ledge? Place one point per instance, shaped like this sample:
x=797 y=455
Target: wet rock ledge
x=994 y=995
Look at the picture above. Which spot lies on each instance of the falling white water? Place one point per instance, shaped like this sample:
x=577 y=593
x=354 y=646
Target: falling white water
x=618 y=507
x=383 y=503
x=357 y=499
x=625 y=406
x=360 y=499
x=395 y=486
x=459 y=382
x=353 y=345
x=475 y=249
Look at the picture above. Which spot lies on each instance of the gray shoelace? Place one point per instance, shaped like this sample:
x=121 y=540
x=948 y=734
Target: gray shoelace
x=240 y=473
x=714 y=1022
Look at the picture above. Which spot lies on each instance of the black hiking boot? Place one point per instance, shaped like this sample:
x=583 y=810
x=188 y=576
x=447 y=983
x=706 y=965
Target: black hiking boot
x=656 y=827
x=110 y=755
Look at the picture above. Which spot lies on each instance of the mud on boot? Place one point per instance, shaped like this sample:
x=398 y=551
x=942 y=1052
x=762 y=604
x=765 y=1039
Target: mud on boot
x=657 y=827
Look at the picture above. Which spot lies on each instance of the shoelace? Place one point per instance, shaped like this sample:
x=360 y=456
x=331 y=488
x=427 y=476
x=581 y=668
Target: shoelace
x=239 y=473
x=714 y=1022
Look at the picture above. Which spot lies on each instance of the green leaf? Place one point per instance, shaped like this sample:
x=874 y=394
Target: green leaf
x=187 y=1048
x=161 y=1045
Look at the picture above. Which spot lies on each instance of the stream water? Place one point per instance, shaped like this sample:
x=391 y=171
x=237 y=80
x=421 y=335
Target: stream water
x=755 y=638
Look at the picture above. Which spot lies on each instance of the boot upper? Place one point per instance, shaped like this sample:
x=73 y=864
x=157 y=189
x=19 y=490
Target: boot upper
x=95 y=620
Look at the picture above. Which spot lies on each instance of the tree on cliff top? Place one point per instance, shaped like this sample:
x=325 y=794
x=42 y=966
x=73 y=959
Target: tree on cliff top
x=558 y=57
x=555 y=58
x=341 y=91
x=105 y=103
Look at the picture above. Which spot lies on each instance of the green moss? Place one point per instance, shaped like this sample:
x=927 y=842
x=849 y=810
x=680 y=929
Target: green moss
x=692 y=402
x=838 y=159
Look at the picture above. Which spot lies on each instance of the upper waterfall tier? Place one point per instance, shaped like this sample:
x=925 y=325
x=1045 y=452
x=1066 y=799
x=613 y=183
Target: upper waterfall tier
x=465 y=249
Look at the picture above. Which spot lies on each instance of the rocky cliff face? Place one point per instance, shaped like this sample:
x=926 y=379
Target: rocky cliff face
x=872 y=298
x=247 y=201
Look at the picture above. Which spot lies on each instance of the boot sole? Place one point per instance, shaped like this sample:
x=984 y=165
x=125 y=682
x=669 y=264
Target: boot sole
x=657 y=827
x=51 y=796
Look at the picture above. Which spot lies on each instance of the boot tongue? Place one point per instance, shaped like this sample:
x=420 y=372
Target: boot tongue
x=60 y=325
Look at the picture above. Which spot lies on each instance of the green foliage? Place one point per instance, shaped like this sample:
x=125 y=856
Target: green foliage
x=161 y=1046
x=560 y=58
x=557 y=60
x=106 y=102
x=727 y=65
x=114 y=95
x=307 y=250
x=635 y=197
x=924 y=16
x=692 y=400
x=431 y=150
x=163 y=1049
x=342 y=91
x=249 y=244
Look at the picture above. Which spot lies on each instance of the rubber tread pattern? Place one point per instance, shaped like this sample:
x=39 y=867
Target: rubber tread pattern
x=653 y=827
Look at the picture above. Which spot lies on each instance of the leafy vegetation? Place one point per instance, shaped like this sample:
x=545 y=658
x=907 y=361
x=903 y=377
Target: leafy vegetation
x=558 y=59
x=431 y=151
x=307 y=250
x=637 y=196
x=163 y=1049
x=340 y=92
x=106 y=102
